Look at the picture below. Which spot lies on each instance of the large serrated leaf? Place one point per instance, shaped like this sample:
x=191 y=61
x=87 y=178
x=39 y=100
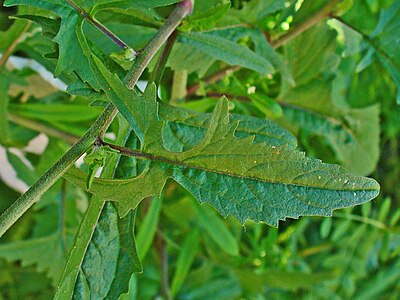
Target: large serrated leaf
x=240 y=178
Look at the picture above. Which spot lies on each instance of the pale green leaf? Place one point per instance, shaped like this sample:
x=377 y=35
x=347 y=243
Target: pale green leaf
x=185 y=260
x=148 y=228
x=217 y=230
x=227 y=51
x=207 y=19
x=353 y=134
x=46 y=253
x=4 y=100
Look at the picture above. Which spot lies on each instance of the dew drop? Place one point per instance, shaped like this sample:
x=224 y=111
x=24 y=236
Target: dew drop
x=319 y=177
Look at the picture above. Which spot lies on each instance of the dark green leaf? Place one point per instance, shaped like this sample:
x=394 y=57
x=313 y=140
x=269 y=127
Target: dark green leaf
x=268 y=184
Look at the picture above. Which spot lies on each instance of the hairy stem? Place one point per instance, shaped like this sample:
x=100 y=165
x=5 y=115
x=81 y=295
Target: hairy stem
x=25 y=201
x=182 y=9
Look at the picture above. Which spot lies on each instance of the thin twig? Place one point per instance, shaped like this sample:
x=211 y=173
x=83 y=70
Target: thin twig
x=62 y=224
x=181 y=10
x=11 y=48
x=159 y=70
x=120 y=43
x=161 y=249
x=39 y=127
x=316 y=18
x=211 y=79
x=323 y=13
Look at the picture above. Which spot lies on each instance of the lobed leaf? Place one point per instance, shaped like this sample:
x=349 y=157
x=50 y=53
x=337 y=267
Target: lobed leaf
x=238 y=177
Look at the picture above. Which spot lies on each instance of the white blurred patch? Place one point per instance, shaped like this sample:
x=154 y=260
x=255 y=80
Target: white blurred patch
x=20 y=63
x=8 y=175
x=38 y=144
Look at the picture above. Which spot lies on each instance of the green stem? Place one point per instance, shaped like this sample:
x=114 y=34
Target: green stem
x=158 y=72
x=11 y=48
x=182 y=9
x=33 y=194
x=120 y=43
x=179 y=86
x=39 y=127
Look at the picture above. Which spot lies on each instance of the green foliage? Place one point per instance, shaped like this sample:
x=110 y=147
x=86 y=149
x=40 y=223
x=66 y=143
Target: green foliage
x=262 y=83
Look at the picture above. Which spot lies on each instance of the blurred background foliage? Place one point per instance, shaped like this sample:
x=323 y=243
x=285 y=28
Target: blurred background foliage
x=342 y=109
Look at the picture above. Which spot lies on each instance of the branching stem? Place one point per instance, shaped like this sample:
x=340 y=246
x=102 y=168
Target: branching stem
x=34 y=193
x=120 y=43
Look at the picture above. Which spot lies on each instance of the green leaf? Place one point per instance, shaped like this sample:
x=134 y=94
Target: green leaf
x=50 y=26
x=384 y=43
x=185 y=260
x=256 y=10
x=189 y=58
x=107 y=244
x=148 y=228
x=207 y=19
x=47 y=253
x=74 y=52
x=217 y=230
x=281 y=279
x=353 y=134
x=227 y=51
x=238 y=177
x=266 y=105
x=15 y=32
x=183 y=129
x=4 y=100
x=104 y=254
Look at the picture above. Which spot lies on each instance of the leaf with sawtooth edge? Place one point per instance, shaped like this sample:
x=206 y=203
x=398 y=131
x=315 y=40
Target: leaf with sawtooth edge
x=238 y=177
x=74 y=52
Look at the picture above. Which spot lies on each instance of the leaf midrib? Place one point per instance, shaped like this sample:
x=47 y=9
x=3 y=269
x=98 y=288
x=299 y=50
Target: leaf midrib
x=162 y=159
